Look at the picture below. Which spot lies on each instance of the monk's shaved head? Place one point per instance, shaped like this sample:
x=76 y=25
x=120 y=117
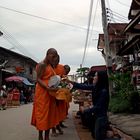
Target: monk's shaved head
x=51 y=57
x=52 y=51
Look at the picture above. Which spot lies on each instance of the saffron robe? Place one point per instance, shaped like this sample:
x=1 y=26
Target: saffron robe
x=62 y=105
x=44 y=114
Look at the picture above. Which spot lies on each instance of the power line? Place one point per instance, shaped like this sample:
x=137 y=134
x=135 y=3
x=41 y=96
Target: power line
x=15 y=43
x=114 y=16
x=111 y=17
x=46 y=19
x=92 y=26
x=122 y=3
x=120 y=17
x=109 y=10
x=86 y=42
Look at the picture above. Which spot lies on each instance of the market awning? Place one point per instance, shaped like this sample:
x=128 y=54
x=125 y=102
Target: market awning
x=27 y=82
x=14 y=79
x=19 y=79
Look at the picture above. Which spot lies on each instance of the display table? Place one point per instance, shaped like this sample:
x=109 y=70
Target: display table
x=13 y=98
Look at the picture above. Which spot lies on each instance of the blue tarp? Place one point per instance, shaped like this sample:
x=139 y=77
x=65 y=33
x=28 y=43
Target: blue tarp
x=27 y=82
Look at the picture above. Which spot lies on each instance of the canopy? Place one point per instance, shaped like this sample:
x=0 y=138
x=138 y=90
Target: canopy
x=27 y=82
x=19 y=79
x=14 y=79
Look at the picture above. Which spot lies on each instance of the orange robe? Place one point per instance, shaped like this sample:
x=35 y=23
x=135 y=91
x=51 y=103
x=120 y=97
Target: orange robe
x=62 y=105
x=44 y=106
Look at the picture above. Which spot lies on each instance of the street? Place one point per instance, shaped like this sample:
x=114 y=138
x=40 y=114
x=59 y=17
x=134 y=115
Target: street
x=15 y=125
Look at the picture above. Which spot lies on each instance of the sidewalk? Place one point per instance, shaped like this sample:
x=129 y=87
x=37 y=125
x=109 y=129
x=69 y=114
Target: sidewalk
x=70 y=132
x=129 y=124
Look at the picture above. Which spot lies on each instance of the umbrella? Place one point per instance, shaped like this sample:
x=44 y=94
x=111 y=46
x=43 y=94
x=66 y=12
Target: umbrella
x=14 y=79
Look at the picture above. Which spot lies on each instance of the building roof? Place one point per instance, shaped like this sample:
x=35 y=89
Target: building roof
x=98 y=68
x=135 y=6
x=115 y=31
x=19 y=55
x=133 y=25
x=129 y=47
x=116 y=28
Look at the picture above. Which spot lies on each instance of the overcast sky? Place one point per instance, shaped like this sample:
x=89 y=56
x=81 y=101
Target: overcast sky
x=33 y=26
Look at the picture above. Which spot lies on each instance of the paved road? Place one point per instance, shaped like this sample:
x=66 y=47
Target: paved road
x=15 y=125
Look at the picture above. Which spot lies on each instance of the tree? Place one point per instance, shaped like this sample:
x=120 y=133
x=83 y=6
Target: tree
x=125 y=97
x=82 y=73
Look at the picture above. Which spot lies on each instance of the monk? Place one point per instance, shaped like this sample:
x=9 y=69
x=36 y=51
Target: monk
x=66 y=72
x=59 y=70
x=62 y=105
x=44 y=106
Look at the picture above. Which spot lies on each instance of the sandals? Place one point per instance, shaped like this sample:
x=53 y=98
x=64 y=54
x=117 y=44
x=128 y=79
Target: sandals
x=59 y=130
x=54 y=134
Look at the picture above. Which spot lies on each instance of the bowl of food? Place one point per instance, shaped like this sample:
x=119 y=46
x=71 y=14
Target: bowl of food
x=54 y=81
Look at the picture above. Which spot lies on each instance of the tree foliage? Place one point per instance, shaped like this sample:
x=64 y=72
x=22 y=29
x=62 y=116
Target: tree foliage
x=125 y=98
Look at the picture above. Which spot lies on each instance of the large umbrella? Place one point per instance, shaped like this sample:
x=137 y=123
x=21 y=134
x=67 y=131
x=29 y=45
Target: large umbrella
x=14 y=79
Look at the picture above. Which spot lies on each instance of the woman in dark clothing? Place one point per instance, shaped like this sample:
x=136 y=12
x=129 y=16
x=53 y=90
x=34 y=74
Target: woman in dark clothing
x=100 y=98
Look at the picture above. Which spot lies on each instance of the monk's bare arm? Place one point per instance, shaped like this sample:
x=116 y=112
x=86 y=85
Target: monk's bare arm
x=40 y=71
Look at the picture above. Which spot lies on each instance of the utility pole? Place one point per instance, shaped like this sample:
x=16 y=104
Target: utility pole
x=88 y=29
x=106 y=38
x=107 y=48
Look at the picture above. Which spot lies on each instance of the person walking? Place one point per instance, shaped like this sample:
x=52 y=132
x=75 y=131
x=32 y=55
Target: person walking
x=100 y=99
x=59 y=69
x=3 y=97
x=44 y=106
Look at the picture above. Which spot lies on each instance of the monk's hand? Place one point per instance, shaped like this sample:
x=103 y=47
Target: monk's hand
x=64 y=78
x=68 y=81
x=52 y=89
